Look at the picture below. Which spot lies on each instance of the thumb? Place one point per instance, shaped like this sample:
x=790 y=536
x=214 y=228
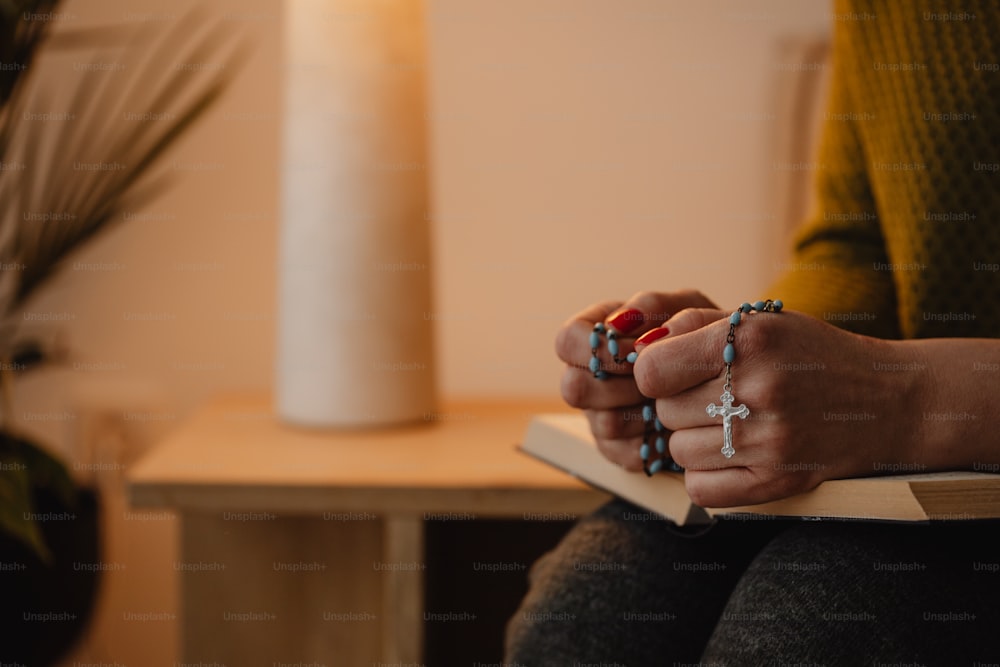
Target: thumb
x=686 y=321
x=645 y=311
x=685 y=357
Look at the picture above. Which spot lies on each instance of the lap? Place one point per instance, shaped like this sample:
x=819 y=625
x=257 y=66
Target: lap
x=626 y=586
x=867 y=593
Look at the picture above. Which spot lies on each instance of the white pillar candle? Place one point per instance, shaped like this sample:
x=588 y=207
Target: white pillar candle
x=354 y=332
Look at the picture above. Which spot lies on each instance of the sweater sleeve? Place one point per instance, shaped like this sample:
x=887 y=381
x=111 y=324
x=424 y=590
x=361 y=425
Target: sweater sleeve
x=836 y=272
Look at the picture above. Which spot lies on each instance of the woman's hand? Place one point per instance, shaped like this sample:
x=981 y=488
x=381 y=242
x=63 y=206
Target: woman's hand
x=614 y=405
x=824 y=403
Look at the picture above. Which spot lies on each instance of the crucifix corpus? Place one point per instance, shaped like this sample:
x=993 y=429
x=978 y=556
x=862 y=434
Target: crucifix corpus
x=727 y=412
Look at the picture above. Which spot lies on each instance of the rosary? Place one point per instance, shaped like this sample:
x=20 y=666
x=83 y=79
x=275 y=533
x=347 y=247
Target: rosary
x=654 y=430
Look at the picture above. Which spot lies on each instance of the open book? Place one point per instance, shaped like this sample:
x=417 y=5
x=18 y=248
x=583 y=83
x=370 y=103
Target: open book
x=565 y=441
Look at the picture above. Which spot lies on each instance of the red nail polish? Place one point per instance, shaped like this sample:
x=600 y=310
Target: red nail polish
x=626 y=320
x=651 y=336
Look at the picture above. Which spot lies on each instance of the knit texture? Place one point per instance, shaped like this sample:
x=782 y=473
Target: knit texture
x=904 y=240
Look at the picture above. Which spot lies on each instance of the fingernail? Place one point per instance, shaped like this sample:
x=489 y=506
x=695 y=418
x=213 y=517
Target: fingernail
x=626 y=320
x=652 y=336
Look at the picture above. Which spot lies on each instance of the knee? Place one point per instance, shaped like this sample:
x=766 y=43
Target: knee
x=530 y=638
x=574 y=593
x=569 y=594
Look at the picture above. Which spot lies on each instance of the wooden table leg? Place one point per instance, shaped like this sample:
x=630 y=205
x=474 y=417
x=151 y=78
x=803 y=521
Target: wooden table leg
x=403 y=589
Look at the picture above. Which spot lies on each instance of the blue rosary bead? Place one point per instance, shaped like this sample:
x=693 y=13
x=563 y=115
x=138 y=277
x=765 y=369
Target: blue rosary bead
x=734 y=319
x=759 y=306
x=746 y=307
x=632 y=356
x=663 y=462
x=729 y=354
x=778 y=305
x=613 y=349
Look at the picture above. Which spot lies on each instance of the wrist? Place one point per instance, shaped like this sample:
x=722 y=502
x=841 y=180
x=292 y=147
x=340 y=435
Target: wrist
x=907 y=373
x=954 y=424
x=892 y=391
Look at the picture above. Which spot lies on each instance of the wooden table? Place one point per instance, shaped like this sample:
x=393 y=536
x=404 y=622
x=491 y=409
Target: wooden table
x=306 y=546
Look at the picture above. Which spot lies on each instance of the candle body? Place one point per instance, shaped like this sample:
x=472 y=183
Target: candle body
x=354 y=328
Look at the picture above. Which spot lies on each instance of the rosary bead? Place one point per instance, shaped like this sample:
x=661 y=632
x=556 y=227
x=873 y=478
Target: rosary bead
x=647 y=413
x=746 y=307
x=734 y=319
x=644 y=452
x=729 y=354
x=595 y=340
x=595 y=364
x=657 y=424
x=778 y=305
x=632 y=356
x=655 y=466
x=601 y=375
x=599 y=327
x=759 y=306
x=661 y=444
x=613 y=347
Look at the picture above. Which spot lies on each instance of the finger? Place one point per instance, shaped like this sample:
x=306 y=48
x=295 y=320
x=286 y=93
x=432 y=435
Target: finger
x=581 y=389
x=642 y=312
x=724 y=488
x=578 y=327
x=622 y=452
x=619 y=434
x=688 y=408
x=730 y=487
x=693 y=319
x=686 y=321
x=712 y=480
x=617 y=424
x=747 y=478
x=573 y=340
x=647 y=310
x=688 y=356
x=700 y=448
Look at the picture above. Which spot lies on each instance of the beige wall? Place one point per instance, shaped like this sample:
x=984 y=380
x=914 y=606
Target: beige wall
x=588 y=150
x=580 y=151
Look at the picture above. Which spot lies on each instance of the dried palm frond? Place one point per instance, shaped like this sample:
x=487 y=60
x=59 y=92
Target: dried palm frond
x=19 y=39
x=95 y=164
x=59 y=187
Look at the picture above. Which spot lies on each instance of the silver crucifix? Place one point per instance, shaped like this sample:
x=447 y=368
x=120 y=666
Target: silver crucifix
x=727 y=411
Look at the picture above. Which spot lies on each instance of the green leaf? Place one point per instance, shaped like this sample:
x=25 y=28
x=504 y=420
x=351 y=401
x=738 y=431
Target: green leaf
x=17 y=508
x=45 y=470
x=25 y=467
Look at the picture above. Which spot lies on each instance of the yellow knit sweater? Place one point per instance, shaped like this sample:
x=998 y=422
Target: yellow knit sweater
x=905 y=238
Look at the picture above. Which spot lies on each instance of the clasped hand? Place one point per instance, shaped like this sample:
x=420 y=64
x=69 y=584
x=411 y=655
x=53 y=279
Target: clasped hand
x=820 y=408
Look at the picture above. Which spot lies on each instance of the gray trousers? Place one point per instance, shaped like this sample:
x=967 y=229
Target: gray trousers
x=627 y=589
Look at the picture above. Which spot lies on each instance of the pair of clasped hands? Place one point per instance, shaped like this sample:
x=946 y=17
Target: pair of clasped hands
x=798 y=376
